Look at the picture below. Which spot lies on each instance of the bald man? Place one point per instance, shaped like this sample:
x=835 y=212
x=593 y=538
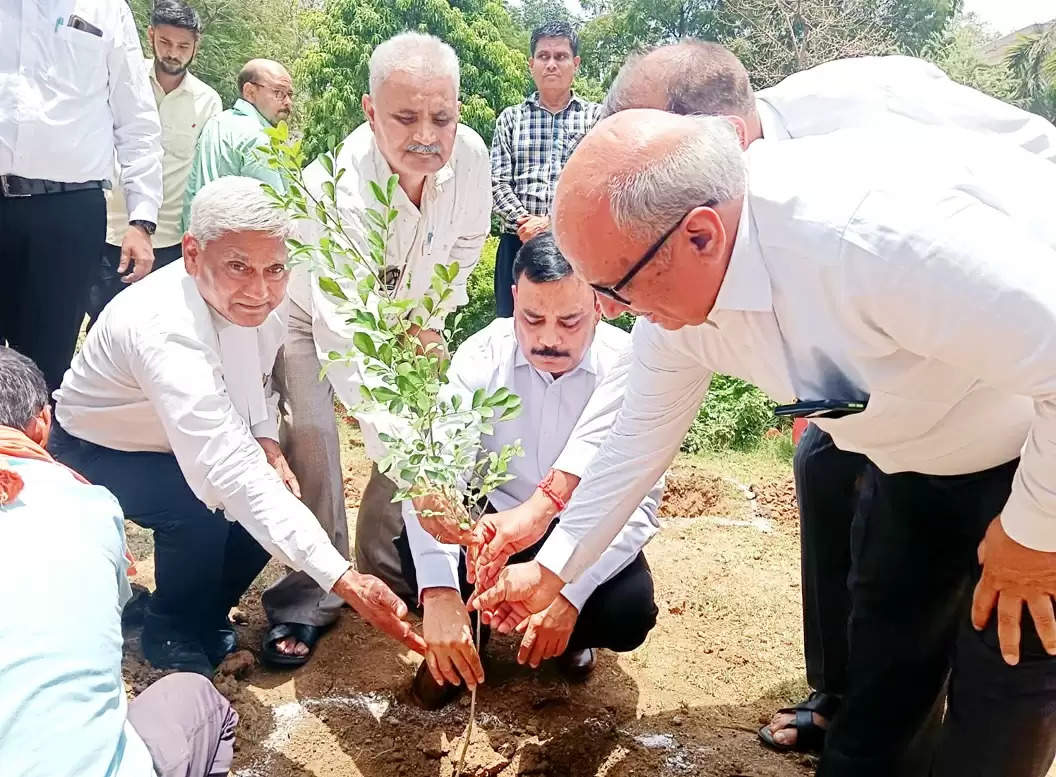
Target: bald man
x=921 y=287
x=700 y=77
x=229 y=143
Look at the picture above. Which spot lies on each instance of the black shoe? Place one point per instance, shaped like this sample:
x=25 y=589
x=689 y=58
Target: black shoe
x=186 y=655
x=136 y=607
x=219 y=643
x=430 y=696
x=576 y=665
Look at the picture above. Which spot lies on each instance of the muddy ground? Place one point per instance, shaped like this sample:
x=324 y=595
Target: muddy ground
x=726 y=651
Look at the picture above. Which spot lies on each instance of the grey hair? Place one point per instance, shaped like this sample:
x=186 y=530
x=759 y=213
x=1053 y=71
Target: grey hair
x=695 y=76
x=425 y=56
x=23 y=392
x=236 y=203
x=707 y=166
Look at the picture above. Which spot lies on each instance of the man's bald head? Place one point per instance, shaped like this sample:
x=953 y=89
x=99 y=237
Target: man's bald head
x=636 y=175
x=267 y=86
x=689 y=77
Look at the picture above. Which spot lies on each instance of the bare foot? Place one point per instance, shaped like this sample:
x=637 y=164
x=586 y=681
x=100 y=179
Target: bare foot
x=288 y=646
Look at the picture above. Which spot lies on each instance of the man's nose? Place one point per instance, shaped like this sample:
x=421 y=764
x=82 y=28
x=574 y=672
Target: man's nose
x=610 y=308
x=425 y=133
x=256 y=288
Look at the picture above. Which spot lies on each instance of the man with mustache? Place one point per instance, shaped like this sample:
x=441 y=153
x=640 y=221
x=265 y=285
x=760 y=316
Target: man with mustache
x=557 y=355
x=229 y=143
x=185 y=104
x=443 y=205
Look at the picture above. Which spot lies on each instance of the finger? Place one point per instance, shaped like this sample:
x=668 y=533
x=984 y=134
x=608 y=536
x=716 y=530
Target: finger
x=535 y=657
x=509 y=620
x=523 y=625
x=473 y=659
x=126 y=257
x=551 y=650
x=1041 y=611
x=434 y=669
x=983 y=601
x=1009 y=611
x=490 y=598
x=447 y=669
x=458 y=658
x=142 y=267
x=292 y=484
x=525 y=650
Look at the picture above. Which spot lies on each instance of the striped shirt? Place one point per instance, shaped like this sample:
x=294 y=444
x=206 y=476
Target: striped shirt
x=528 y=151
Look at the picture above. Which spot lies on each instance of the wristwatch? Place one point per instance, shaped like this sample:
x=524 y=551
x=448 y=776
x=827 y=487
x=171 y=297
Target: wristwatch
x=149 y=226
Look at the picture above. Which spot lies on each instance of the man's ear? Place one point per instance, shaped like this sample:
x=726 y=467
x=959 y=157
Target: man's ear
x=191 y=254
x=39 y=428
x=150 y=37
x=368 y=109
x=740 y=128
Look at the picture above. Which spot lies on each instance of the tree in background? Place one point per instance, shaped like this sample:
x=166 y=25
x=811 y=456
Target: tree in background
x=334 y=69
x=958 y=50
x=234 y=32
x=1032 y=63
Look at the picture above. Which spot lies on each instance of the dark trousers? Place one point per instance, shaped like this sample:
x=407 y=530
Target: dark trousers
x=509 y=245
x=107 y=283
x=913 y=570
x=826 y=489
x=618 y=615
x=49 y=245
x=203 y=563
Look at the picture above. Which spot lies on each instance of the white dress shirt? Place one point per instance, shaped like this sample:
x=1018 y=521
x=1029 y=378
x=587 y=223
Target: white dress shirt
x=161 y=371
x=69 y=98
x=450 y=226
x=921 y=275
x=892 y=91
x=552 y=431
x=183 y=113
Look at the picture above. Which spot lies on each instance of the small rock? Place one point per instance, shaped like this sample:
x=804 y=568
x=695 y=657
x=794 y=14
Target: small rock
x=677 y=720
x=239 y=617
x=481 y=759
x=434 y=744
x=464 y=700
x=227 y=685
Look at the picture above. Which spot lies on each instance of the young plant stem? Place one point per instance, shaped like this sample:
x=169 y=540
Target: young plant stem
x=472 y=710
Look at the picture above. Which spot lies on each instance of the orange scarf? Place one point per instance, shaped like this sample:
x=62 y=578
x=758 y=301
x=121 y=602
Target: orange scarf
x=14 y=444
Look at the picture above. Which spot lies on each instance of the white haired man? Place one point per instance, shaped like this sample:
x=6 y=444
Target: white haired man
x=917 y=294
x=170 y=405
x=443 y=203
x=701 y=77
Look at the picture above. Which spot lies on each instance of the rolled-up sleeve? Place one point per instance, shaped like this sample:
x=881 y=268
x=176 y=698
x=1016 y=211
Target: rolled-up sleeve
x=222 y=463
x=137 y=128
x=665 y=387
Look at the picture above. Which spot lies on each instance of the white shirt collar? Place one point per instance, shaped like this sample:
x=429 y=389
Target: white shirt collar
x=746 y=285
x=770 y=121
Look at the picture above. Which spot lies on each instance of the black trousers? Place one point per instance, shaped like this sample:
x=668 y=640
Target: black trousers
x=203 y=563
x=49 y=245
x=827 y=491
x=913 y=570
x=107 y=283
x=509 y=245
x=618 y=615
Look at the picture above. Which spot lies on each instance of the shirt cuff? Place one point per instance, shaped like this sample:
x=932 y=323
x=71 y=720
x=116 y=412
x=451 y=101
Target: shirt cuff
x=575 y=457
x=325 y=566
x=578 y=592
x=268 y=428
x=557 y=552
x=437 y=569
x=1026 y=524
x=140 y=209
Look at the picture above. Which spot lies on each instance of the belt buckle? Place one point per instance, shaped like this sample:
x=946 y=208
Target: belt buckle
x=5 y=187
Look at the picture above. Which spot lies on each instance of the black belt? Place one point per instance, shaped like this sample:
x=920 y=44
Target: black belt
x=17 y=186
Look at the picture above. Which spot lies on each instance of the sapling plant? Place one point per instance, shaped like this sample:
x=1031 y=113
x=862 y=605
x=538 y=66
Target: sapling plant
x=431 y=432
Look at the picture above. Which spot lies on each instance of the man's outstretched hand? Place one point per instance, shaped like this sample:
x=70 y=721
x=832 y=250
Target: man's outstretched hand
x=501 y=535
x=1014 y=575
x=527 y=588
x=379 y=606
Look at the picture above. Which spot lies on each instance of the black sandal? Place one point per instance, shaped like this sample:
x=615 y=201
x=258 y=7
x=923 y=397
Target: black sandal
x=301 y=632
x=810 y=737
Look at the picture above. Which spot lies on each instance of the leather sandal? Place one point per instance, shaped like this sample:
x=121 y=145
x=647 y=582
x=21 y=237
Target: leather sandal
x=302 y=632
x=810 y=737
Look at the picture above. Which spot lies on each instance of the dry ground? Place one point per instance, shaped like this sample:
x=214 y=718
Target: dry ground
x=726 y=651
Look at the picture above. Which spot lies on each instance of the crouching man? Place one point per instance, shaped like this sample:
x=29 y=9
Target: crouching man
x=63 y=708
x=555 y=353
x=170 y=405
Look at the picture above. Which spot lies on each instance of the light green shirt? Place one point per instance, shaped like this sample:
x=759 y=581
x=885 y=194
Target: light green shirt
x=229 y=146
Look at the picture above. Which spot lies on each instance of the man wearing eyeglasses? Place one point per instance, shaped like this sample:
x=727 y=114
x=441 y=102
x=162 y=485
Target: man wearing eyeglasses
x=532 y=142
x=229 y=143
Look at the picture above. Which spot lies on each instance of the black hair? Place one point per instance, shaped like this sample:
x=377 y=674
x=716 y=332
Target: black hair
x=556 y=29
x=540 y=261
x=175 y=13
x=23 y=392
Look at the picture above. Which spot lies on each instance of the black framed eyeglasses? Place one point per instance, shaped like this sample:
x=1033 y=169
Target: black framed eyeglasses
x=278 y=94
x=613 y=292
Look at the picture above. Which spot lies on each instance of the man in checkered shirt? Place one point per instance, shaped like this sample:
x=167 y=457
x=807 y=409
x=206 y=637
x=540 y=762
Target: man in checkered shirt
x=532 y=142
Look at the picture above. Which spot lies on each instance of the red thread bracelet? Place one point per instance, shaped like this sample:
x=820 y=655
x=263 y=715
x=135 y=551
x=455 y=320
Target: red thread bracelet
x=545 y=488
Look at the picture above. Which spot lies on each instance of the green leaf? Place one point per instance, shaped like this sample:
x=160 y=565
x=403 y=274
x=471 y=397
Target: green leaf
x=452 y=271
x=390 y=187
x=327 y=162
x=330 y=190
x=478 y=399
x=330 y=286
x=363 y=343
x=382 y=394
x=379 y=194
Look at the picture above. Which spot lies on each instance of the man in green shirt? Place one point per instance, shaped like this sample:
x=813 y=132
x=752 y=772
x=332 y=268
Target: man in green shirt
x=229 y=142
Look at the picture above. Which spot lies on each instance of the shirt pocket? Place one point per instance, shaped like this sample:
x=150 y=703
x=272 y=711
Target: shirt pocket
x=78 y=62
x=178 y=142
